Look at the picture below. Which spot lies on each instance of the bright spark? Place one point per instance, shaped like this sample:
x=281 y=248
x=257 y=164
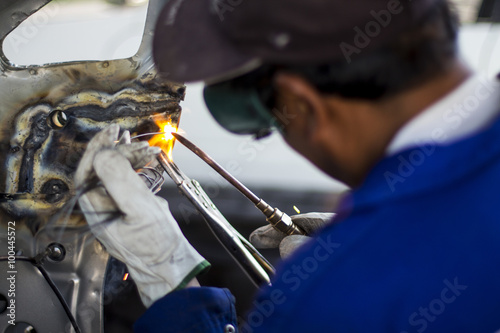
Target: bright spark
x=165 y=140
x=168 y=128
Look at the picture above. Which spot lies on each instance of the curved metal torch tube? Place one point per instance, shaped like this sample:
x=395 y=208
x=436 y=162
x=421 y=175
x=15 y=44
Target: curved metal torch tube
x=279 y=220
x=256 y=267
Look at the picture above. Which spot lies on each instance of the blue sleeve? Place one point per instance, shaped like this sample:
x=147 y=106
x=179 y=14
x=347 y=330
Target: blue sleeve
x=192 y=310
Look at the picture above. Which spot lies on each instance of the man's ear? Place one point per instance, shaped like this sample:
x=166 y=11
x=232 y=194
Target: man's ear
x=299 y=106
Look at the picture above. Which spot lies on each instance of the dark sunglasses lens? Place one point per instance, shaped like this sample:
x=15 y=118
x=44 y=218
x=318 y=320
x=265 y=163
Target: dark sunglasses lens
x=238 y=110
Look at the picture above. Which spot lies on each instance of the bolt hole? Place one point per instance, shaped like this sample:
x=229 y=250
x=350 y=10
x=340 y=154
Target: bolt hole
x=57 y=252
x=57 y=119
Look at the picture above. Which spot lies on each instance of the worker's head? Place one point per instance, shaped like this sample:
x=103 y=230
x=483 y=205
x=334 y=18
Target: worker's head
x=315 y=69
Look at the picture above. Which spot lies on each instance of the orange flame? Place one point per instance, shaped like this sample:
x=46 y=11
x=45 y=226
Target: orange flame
x=166 y=140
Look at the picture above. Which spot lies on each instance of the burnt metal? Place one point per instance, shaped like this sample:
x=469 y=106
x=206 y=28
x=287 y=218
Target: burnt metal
x=48 y=114
x=38 y=134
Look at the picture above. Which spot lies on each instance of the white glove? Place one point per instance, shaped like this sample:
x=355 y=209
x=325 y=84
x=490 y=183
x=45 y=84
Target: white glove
x=145 y=236
x=267 y=237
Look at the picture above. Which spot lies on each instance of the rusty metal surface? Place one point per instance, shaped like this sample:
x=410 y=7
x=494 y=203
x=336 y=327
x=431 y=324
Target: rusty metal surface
x=47 y=116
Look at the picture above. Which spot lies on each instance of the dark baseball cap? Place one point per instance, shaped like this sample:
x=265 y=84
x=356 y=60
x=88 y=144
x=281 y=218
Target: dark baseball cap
x=215 y=40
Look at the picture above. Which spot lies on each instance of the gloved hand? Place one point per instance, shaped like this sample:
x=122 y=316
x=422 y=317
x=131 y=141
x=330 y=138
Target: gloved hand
x=267 y=237
x=145 y=235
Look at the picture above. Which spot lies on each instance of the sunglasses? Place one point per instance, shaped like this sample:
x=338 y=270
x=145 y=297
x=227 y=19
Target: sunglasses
x=244 y=105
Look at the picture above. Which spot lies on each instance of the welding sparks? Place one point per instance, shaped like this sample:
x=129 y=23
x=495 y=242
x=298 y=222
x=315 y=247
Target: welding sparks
x=125 y=277
x=165 y=140
x=296 y=209
x=168 y=128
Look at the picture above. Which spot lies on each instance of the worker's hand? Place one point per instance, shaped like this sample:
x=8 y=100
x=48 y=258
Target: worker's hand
x=267 y=237
x=133 y=224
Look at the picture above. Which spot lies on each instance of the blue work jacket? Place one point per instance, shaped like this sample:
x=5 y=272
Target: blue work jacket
x=417 y=250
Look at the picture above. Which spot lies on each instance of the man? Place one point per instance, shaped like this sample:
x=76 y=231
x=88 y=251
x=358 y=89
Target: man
x=374 y=94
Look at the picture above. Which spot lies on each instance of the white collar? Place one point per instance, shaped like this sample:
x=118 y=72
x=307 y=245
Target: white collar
x=461 y=113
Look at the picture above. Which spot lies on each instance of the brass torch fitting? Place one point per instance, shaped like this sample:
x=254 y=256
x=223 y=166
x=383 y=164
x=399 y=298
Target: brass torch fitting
x=279 y=220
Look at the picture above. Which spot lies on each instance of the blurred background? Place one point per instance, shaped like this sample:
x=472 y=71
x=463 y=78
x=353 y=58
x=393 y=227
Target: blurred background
x=72 y=30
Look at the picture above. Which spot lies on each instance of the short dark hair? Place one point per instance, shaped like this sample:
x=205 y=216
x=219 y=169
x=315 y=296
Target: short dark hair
x=415 y=56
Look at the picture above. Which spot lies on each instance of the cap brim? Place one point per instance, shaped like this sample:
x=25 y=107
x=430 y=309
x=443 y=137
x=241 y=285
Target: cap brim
x=188 y=46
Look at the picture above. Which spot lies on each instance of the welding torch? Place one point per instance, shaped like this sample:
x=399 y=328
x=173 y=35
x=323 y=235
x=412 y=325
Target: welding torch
x=279 y=220
x=255 y=266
